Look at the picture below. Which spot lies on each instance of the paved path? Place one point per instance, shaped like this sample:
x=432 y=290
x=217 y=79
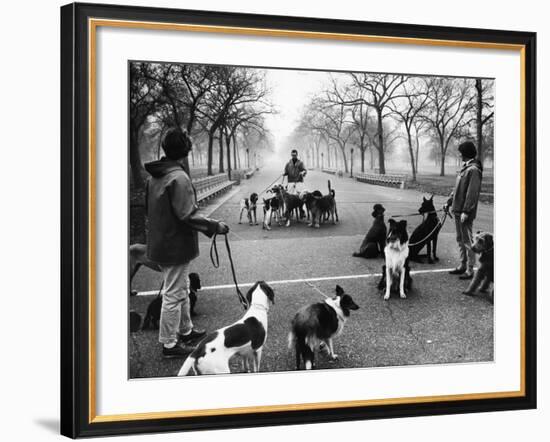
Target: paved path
x=435 y=324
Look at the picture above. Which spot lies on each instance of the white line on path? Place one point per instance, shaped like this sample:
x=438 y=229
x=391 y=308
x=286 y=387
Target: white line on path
x=296 y=281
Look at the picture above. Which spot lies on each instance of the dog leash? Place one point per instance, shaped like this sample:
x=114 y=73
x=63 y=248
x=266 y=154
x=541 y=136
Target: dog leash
x=215 y=258
x=420 y=214
x=438 y=226
x=287 y=269
x=276 y=179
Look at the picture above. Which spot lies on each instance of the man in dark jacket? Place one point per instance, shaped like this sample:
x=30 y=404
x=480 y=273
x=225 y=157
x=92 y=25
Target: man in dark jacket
x=295 y=171
x=463 y=202
x=173 y=241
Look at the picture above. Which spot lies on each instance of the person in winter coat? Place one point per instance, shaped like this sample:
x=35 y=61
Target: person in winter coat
x=463 y=203
x=172 y=240
x=295 y=171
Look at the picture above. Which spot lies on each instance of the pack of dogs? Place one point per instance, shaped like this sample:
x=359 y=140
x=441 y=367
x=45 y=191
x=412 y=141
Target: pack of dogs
x=314 y=326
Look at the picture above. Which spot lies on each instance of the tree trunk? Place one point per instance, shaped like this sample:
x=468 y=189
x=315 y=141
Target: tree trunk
x=381 y=160
x=135 y=160
x=362 y=159
x=343 y=150
x=411 y=153
x=210 y=152
x=220 y=150
x=479 y=120
x=228 y=146
x=442 y=169
x=417 y=151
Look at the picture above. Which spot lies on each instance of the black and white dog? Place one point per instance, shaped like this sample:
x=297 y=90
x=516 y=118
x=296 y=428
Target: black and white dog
x=245 y=337
x=426 y=233
x=397 y=261
x=272 y=209
x=249 y=204
x=315 y=325
x=152 y=316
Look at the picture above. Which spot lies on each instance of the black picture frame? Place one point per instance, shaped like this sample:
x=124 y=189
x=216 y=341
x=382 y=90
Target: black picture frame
x=76 y=418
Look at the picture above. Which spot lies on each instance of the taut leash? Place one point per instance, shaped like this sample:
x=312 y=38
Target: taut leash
x=439 y=225
x=276 y=179
x=215 y=258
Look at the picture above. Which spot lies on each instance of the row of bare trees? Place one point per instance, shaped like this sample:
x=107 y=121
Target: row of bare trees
x=370 y=111
x=222 y=103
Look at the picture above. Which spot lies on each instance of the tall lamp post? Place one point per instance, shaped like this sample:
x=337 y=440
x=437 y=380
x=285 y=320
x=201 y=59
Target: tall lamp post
x=351 y=169
x=247 y=159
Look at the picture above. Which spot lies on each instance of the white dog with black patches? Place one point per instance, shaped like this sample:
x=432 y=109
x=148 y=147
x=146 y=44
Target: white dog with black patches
x=397 y=259
x=245 y=337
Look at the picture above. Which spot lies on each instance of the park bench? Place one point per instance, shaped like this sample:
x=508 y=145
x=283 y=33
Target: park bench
x=392 y=180
x=248 y=173
x=327 y=170
x=210 y=186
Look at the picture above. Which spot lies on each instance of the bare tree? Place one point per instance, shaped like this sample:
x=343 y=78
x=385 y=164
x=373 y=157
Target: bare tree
x=449 y=101
x=407 y=110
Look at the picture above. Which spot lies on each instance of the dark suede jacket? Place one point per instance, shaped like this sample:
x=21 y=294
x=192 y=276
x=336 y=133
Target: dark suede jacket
x=172 y=212
x=465 y=197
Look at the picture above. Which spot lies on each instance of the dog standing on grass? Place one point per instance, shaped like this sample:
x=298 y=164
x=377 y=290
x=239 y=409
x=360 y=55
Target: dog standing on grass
x=315 y=325
x=397 y=261
x=245 y=338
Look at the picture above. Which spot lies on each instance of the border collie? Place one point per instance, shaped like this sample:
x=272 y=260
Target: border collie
x=375 y=240
x=249 y=204
x=426 y=233
x=152 y=317
x=245 y=338
x=315 y=325
x=397 y=261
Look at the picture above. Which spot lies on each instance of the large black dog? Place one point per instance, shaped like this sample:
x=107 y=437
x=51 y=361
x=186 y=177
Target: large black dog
x=426 y=233
x=374 y=242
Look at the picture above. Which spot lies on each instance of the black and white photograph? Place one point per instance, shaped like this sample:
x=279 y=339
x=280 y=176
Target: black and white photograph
x=284 y=219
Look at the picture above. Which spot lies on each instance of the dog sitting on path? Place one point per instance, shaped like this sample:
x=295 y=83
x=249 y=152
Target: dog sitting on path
x=245 y=337
x=426 y=233
x=249 y=204
x=315 y=325
x=397 y=261
x=374 y=242
x=152 y=317
x=483 y=244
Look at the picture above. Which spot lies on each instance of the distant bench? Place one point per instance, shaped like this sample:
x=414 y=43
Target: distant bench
x=394 y=180
x=249 y=173
x=331 y=171
x=211 y=186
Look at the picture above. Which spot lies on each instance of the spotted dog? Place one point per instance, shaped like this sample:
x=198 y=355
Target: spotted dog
x=249 y=204
x=244 y=338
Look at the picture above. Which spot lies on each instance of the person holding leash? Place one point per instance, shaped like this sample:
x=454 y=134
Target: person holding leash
x=295 y=171
x=172 y=241
x=463 y=202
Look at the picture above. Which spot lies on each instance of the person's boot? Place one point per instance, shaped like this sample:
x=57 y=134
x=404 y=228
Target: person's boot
x=458 y=271
x=178 y=351
x=196 y=333
x=469 y=274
